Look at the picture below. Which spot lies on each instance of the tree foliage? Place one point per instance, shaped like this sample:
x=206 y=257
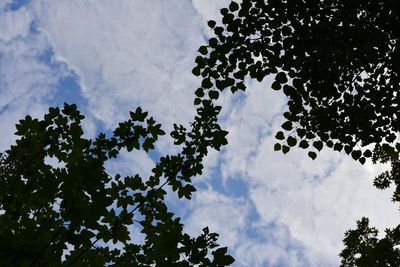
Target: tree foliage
x=69 y=214
x=338 y=64
x=336 y=61
x=364 y=248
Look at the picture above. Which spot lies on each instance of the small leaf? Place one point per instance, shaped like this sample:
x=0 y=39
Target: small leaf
x=233 y=6
x=279 y=135
x=224 y=11
x=277 y=147
x=218 y=31
x=285 y=149
x=276 y=86
x=329 y=143
x=338 y=147
x=303 y=144
x=287 y=125
x=367 y=153
x=348 y=149
x=312 y=155
x=203 y=50
x=213 y=42
x=318 y=145
x=211 y=24
x=199 y=92
x=220 y=138
x=281 y=78
x=301 y=132
x=220 y=84
x=206 y=83
x=356 y=154
x=291 y=141
x=213 y=94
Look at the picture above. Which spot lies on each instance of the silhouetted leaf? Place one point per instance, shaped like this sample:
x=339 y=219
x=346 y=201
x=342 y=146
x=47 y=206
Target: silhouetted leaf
x=279 y=135
x=291 y=141
x=277 y=147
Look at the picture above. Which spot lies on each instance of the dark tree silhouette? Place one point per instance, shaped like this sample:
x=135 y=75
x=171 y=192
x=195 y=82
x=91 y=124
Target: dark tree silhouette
x=337 y=61
x=64 y=215
x=338 y=64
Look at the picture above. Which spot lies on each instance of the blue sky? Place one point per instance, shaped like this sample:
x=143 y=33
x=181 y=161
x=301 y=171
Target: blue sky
x=111 y=56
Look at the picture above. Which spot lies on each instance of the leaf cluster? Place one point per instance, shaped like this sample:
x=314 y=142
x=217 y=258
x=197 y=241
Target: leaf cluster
x=337 y=63
x=364 y=248
x=67 y=214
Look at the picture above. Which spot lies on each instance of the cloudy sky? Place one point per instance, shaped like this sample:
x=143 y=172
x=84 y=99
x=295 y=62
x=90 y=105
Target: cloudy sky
x=111 y=56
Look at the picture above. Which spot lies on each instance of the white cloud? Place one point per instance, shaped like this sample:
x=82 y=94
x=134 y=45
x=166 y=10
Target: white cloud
x=15 y=24
x=209 y=10
x=316 y=200
x=128 y=53
x=273 y=247
x=26 y=83
x=4 y=3
x=131 y=163
x=224 y=215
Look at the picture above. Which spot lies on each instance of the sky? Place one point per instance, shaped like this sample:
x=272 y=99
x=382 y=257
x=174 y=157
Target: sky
x=109 y=57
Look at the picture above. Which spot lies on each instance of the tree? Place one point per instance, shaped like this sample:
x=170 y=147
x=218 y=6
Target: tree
x=337 y=62
x=363 y=248
x=64 y=215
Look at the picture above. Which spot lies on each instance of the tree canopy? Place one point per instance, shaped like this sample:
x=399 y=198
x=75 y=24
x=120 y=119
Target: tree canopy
x=64 y=214
x=337 y=63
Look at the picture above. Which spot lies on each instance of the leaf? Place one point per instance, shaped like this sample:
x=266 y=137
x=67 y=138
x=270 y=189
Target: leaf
x=187 y=191
x=276 y=86
x=199 y=92
x=338 y=147
x=203 y=50
x=348 y=149
x=220 y=139
x=213 y=42
x=367 y=153
x=285 y=149
x=303 y=144
x=277 y=147
x=318 y=145
x=211 y=24
x=220 y=257
x=287 y=125
x=218 y=31
x=312 y=155
x=148 y=144
x=301 y=132
x=291 y=141
x=279 y=135
x=281 y=78
x=356 y=154
x=233 y=6
x=220 y=84
x=224 y=11
x=206 y=83
x=213 y=94
x=329 y=143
